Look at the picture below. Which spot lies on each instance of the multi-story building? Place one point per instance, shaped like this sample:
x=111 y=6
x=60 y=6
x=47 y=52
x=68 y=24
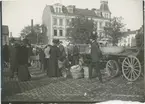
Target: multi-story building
x=57 y=18
x=128 y=39
x=5 y=35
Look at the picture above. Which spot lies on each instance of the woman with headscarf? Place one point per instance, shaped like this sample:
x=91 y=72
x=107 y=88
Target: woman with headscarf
x=54 y=56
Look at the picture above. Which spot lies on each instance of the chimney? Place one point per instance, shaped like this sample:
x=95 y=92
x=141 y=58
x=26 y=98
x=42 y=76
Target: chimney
x=104 y=1
x=31 y=24
x=93 y=9
x=128 y=29
x=11 y=34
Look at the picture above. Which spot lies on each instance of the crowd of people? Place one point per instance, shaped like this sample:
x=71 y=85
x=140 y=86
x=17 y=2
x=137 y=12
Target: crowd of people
x=51 y=59
x=22 y=55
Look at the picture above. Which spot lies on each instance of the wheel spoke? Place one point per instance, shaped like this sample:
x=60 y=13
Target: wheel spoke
x=126 y=71
x=125 y=63
x=128 y=61
x=136 y=66
x=135 y=63
x=136 y=70
x=135 y=73
x=109 y=64
x=133 y=60
x=129 y=74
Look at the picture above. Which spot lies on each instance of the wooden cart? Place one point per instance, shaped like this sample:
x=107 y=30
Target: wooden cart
x=129 y=62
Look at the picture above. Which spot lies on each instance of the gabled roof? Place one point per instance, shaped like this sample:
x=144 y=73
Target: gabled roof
x=5 y=30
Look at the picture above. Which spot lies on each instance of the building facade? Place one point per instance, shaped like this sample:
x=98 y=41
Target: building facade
x=128 y=39
x=57 y=18
x=5 y=35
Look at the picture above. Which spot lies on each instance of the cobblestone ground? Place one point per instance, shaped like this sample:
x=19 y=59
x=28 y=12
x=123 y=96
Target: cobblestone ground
x=42 y=88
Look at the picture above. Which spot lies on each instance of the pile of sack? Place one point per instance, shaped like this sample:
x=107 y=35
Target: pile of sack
x=77 y=71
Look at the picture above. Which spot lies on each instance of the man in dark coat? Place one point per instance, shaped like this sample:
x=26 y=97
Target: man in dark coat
x=13 y=58
x=54 y=56
x=75 y=56
x=22 y=54
x=95 y=57
x=41 y=58
x=6 y=53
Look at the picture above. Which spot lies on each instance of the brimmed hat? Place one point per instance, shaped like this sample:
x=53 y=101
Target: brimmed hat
x=56 y=41
x=93 y=35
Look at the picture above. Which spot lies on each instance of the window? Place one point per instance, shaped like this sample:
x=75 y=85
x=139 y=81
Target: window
x=72 y=19
x=100 y=24
x=70 y=10
x=59 y=10
x=106 y=24
x=60 y=32
x=105 y=15
x=54 y=21
x=96 y=24
x=55 y=32
x=60 y=22
x=67 y=22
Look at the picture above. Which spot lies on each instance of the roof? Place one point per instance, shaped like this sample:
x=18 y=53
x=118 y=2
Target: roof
x=5 y=30
x=84 y=12
x=76 y=12
x=128 y=33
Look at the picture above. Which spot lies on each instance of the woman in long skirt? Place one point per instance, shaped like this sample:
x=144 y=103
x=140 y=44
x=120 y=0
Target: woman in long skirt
x=47 y=56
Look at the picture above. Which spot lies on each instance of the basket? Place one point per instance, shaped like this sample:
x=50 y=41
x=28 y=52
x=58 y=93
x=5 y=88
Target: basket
x=77 y=75
x=76 y=72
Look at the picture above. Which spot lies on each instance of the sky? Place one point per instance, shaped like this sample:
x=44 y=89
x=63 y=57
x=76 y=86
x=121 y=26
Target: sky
x=18 y=13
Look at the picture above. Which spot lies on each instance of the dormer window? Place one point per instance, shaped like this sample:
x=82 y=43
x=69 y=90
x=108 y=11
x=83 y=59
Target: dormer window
x=70 y=8
x=58 y=9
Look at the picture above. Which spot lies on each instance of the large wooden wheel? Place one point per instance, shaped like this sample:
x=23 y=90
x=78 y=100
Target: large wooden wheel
x=131 y=68
x=112 y=68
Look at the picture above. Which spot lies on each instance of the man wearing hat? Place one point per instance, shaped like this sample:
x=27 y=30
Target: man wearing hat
x=95 y=57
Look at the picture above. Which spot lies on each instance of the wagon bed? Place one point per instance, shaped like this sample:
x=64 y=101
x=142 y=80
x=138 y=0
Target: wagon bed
x=130 y=62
